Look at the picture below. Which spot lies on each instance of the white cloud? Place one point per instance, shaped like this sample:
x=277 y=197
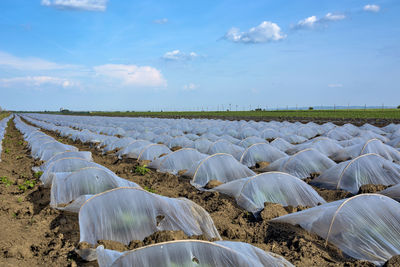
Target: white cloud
x=178 y=55
x=335 y=85
x=265 y=32
x=161 y=21
x=190 y=87
x=37 y=82
x=89 y=5
x=314 y=21
x=132 y=75
x=29 y=63
x=372 y=8
x=333 y=17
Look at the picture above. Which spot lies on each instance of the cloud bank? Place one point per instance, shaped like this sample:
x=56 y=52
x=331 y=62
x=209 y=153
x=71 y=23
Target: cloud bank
x=314 y=21
x=88 y=5
x=178 y=55
x=265 y=32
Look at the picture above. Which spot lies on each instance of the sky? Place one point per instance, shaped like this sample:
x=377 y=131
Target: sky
x=191 y=55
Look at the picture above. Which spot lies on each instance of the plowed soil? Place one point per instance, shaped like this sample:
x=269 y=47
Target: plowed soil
x=36 y=235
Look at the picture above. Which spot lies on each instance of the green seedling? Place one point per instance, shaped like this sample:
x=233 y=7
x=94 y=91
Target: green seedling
x=19 y=199
x=149 y=189
x=28 y=184
x=142 y=169
x=6 y=150
x=4 y=180
x=37 y=175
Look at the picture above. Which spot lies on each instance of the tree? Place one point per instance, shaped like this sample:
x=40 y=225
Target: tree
x=310 y=108
x=398 y=106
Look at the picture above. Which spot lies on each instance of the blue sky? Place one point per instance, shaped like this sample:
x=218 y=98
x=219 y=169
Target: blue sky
x=180 y=54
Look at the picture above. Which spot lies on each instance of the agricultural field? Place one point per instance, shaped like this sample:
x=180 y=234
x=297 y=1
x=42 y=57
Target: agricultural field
x=99 y=191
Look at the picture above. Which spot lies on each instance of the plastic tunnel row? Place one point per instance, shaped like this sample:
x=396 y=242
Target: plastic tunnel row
x=112 y=208
x=363 y=227
x=3 y=126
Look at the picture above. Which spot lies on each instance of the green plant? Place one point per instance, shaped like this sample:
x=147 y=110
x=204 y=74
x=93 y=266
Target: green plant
x=149 y=189
x=37 y=174
x=18 y=157
x=4 y=180
x=141 y=169
x=19 y=199
x=6 y=151
x=398 y=107
x=310 y=108
x=28 y=184
x=20 y=142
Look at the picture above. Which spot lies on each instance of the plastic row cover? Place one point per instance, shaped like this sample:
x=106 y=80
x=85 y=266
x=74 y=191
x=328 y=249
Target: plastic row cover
x=64 y=167
x=192 y=253
x=251 y=193
x=126 y=214
x=86 y=181
x=370 y=146
x=364 y=227
x=302 y=164
x=260 y=152
x=180 y=160
x=324 y=145
x=3 y=126
x=221 y=167
x=366 y=169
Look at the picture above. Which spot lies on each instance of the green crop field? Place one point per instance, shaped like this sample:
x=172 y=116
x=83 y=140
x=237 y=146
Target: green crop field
x=4 y=114
x=326 y=114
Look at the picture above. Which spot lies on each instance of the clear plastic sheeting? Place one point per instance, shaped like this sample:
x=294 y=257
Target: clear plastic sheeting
x=153 y=151
x=366 y=169
x=222 y=167
x=192 y=253
x=118 y=144
x=63 y=167
x=251 y=141
x=302 y=164
x=180 y=160
x=365 y=227
x=85 y=155
x=223 y=146
x=323 y=144
x=392 y=192
x=133 y=149
x=202 y=145
x=281 y=144
x=276 y=187
x=371 y=146
x=86 y=181
x=126 y=214
x=261 y=152
x=50 y=149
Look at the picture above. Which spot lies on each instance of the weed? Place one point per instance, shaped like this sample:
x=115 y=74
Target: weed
x=149 y=190
x=6 y=150
x=4 y=180
x=142 y=169
x=20 y=142
x=14 y=215
x=37 y=175
x=19 y=199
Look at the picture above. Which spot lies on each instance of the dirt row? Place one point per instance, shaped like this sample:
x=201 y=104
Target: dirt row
x=295 y=244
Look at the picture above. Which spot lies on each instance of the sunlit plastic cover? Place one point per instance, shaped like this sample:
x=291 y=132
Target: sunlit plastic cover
x=86 y=181
x=153 y=151
x=366 y=169
x=221 y=167
x=177 y=161
x=223 y=146
x=126 y=214
x=302 y=164
x=364 y=227
x=281 y=144
x=118 y=144
x=260 y=153
x=370 y=146
x=323 y=144
x=251 y=193
x=133 y=149
x=86 y=155
x=251 y=141
x=192 y=253
x=64 y=167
